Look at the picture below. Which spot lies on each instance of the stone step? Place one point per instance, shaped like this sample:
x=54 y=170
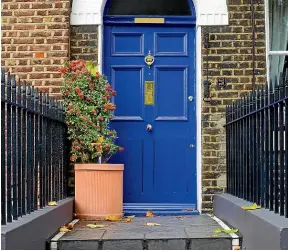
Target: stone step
x=174 y=232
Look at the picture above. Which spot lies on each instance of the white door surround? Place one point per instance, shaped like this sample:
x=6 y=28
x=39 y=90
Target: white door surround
x=215 y=12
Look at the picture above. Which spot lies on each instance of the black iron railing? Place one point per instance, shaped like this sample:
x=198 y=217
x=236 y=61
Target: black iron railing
x=257 y=147
x=33 y=149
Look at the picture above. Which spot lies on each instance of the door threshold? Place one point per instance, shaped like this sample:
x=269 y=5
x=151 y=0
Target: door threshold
x=163 y=209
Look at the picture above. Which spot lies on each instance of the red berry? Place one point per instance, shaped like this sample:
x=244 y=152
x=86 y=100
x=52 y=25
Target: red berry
x=77 y=89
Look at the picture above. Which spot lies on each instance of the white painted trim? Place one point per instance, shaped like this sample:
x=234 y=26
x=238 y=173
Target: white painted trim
x=199 y=117
x=87 y=12
x=100 y=47
x=278 y=53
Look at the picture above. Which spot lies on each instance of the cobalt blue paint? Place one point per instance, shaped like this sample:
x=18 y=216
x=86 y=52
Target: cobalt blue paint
x=160 y=165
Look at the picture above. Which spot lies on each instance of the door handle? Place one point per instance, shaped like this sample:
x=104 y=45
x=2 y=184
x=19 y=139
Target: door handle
x=149 y=128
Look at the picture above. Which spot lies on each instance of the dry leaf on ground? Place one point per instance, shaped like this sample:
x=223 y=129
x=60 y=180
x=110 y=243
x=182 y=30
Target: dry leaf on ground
x=52 y=203
x=152 y=224
x=113 y=218
x=64 y=229
x=69 y=226
x=95 y=225
x=149 y=214
x=128 y=220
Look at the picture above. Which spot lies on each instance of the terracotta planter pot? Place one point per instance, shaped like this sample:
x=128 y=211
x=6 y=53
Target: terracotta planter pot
x=98 y=190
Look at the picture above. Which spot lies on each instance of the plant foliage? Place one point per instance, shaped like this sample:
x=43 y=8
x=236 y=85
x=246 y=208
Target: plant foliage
x=87 y=100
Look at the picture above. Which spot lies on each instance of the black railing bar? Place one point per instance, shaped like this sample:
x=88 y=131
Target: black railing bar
x=18 y=105
x=34 y=112
x=258 y=110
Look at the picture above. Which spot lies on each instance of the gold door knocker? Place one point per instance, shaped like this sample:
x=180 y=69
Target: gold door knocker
x=149 y=60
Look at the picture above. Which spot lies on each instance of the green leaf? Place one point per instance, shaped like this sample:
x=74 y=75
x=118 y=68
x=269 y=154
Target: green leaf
x=229 y=231
x=218 y=230
x=131 y=217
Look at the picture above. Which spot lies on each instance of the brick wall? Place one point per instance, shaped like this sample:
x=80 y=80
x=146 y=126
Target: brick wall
x=35 y=40
x=230 y=55
x=84 y=44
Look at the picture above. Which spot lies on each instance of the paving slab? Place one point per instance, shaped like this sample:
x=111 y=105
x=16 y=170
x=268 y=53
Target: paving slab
x=173 y=232
x=167 y=244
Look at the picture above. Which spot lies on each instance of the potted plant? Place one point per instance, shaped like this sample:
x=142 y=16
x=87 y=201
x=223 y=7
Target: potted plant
x=87 y=101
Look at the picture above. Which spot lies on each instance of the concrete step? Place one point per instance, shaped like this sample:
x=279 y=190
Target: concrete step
x=174 y=232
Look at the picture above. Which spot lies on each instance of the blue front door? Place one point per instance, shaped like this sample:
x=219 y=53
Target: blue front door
x=160 y=164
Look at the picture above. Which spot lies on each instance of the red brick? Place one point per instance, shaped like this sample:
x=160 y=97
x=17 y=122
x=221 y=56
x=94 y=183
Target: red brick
x=24 y=26
x=39 y=75
x=24 y=69
x=39 y=55
x=24 y=13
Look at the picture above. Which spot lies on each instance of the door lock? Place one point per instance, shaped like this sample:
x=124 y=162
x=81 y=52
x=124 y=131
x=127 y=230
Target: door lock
x=192 y=146
x=149 y=128
x=190 y=98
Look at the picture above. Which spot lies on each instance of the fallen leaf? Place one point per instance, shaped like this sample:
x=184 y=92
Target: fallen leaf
x=237 y=248
x=218 y=230
x=152 y=224
x=179 y=217
x=214 y=235
x=131 y=216
x=52 y=203
x=64 y=229
x=113 y=218
x=149 y=214
x=228 y=231
x=128 y=220
x=253 y=207
x=69 y=226
x=95 y=226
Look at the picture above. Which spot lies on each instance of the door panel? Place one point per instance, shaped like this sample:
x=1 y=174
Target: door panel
x=160 y=165
x=170 y=44
x=171 y=102
x=125 y=88
x=120 y=40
